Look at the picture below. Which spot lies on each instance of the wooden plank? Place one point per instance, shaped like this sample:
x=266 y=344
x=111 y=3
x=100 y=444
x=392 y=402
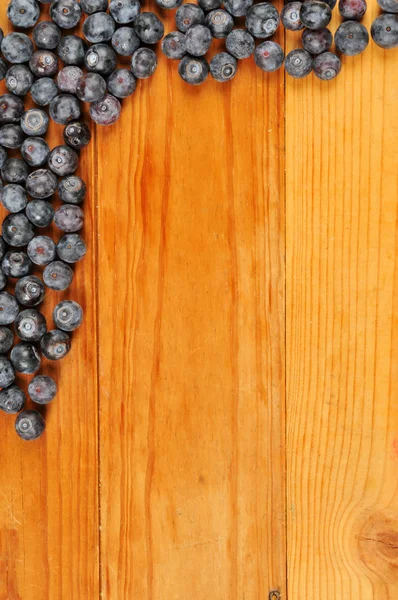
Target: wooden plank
x=49 y=488
x=341 y=292
x=191 y=311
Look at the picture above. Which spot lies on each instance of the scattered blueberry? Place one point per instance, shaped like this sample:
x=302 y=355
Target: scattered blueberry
x=238 y=8
x=65 y=13
x=71 y=248
x=11 y=108
x=91 y=87
x=124 y=11
x=55 y=344
x=11 y=136
x=12 y=399
x=69 y=218
x=29 y=291
x=35 y=122
x=173 y=45
x=148 y=27
x=315 y=14
x=290 y=16
x=188 y=15
x=63 y=160
x=6 y=339
x=68 y=315
x=198 y=40
x=68 y=78
x=17 y=47
x=389 y=6
x=99 y=27
x=220 y=23
x=43 y=91
x=47 y=35
x=41 y=183
x=64 y=108
x=57 y=276
x=105 y=111
x=41 y=250
x=42 y=389
x=223 y=67
x=72 y=189
x=19 y=79
x=193 y=70
x=384 y=31
x=40 y=213
x=121 y=83
x=269 y=56
x=72 y=50
x=351 y=38
x=262 y=20
x=77 y=135
x=43 y=63
x=14 y=170
x=7 y=374
x=100 y=58
x=90 y=7
x=17 y=230
x=13 y=197
x=298 y=63
x=29 y=425
x=125 y=41
x=353 y=9
x=317 y=42
x=143 y=63
x=23 y=13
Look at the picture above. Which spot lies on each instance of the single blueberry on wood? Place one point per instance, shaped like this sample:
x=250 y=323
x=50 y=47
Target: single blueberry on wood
x=57 y=276
x=298 y=63
x=317 y=42
x=77 y=135
x=68 y=315
x=223 y=67
x=71 y=248
x=55 y=344
x=143 y=63
x=12 y=399
x=240 y=43
x=42 y=389
x=269 y=56
x=29 y=425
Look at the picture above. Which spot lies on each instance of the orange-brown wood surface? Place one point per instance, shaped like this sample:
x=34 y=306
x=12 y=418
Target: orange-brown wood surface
x=226 y=424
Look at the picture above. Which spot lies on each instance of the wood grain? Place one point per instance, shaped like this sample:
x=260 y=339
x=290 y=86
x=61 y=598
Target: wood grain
x=341 y=333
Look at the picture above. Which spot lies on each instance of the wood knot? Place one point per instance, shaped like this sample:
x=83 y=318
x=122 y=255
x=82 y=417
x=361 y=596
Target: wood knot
x=378 y=546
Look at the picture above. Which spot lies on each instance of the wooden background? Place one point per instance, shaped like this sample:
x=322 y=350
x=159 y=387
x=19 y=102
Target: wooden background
x=227 y=420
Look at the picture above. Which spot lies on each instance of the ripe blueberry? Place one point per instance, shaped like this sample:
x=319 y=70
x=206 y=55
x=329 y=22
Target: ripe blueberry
x=298 y=63
x=223 y=67
x=71 y=248
x=64 y=108
x=173 y=45
x=384 y=31
x=55 y=344
x=68 y=315
x=40 y=213
x=43 y=91
x=143 y=63
x=57 y=276
x=351 y=38
x=188 y=15
x=47 y=35
x=105 y=111
x=42 y=389
x=7 y=374
x=35 y=122
x=193 y=70
x=69 y=218
x=315 y=14
x=13 y=197
x=316 y=42
x=41 y=250
x=29 y=425
x=12 y=399
x=262 y=20
x=269 y=56
x=77 y=135
x=29 y=291
x=72 y=50
x=41 y=183
x=240 y=43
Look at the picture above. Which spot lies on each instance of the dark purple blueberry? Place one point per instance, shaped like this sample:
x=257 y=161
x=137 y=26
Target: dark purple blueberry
x=173 y=45
x=35 y=122
x=69 y=218
x=40 y=213
x=121 y=83
x=384 y=31
x=29 y=291
x=238 y=8
x=71 y=248
x=99 y=27
x=65 y=13
x=13 y=197
x=105 y=111
x=14 y=170
x=6 y=340
x=193 y=70
x=317 y=42
x=91 y=87
x=3 y=247
x=30 y=325
x=353 y=9
x=8 y=309
x=198 y=40
x=124 y=11
x=220 y=23
x=17 y=230
x=240 y=43
x=351 y=38
x=17 y=47
x=25 y=358
x=3 y=158
x=42 y=389
x=41 y=183
x=143 y=63
x=188 y=15
x=72 y=50
x=148 y=27
x=269 y=56
x=11 y=109
x=57 y=276
x=290 y=16
x=223 y=67
x=77 y=135
x=125 y=41
x=12 y=399
x=90 y=7
x=389 y=6
x=3 y=68
x=43 y=63
x=262 y=20
x=63 y=160
x=16 y=264
x=19 y=80
x=72 y=189
x=29 y=425
x=43 y=91
x=3 y=281
x=11 y=136
x=55 y=344
x=41 y=250
x=209 y=5
x=298 y=63
x=64 y=108
x=315 y=14
x=47 y=35
x=35 y=151
x=7 y=374
x=23 y=13
x=68 y=315
x=100 y=58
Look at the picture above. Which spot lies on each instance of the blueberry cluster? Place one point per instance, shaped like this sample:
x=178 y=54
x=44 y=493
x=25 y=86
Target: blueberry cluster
x=198 y=24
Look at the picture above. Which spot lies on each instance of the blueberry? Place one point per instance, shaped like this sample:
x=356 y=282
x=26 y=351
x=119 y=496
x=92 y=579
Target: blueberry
x=41 y=183
x=14 y=170
x=16 y=264
x=121 y=83
x=11 y=136
x=40 y=213
x=315 y=14
x=390 y=6
x=55 y=344
x=43 y=91
x=72 y=189
x=77 y=135
x=173 y=45
x=298 y=63
x=317 y=42
x=17 y=47
x=68 y=315
x=3 y=247
x=91 y=87
x=12 y=399
x=3 y=281
x=148 y=27
x=47 y=35
x=124 y=11
x=198 y=40
x=65 y=13
x=7 y=374
x=30 y=325
x=72 y=50
x=99 y=27
x=238 y=8
x=13 y=197
x=351 y=38
x=384 y=31
x=6 y=340
x=143 y=63
x=220 y=23
x=188 y=15
x=223 y=67
x=330 y=3
x=42 y=389
x=290 y=16
x=90 y=7
x=169 y=4
x=125 y=41
x=193 y=70
x=41 y=250
x=11 y=109
x=64 y=108
x=17 y=230
x=29 y=291
x=63 y=160
x=19 y=80
x=105 y=111
x=25 y=358
x=353 y=9
x=269 y=56
x=3 y=68
x=57 y=276
x=3 y=158
x=209 y=5
x=29 y=425
x=23 y=13
x=100 y=58
x=8 y=309
x=71 y=248
x=69 y=218
x=43 y=63
x=35 y=122
x=262 y=20
x=68 y=78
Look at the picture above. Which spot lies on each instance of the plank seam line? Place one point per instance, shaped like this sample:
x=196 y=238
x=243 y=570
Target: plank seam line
x=285 y=312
